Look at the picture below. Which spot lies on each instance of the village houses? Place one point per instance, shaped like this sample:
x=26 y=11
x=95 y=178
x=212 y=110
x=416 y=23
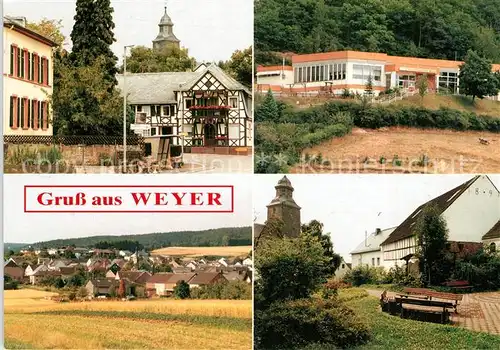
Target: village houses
x=27 y=79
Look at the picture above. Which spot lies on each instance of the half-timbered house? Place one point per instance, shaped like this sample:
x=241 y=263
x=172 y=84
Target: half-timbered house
x=471 y=212
x=203 y=110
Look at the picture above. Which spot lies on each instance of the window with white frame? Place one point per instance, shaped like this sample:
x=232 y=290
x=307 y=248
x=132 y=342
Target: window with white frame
x=407 y=80
x=448 y=81
x=364 y=71
x=320 y=72
x=233 y=102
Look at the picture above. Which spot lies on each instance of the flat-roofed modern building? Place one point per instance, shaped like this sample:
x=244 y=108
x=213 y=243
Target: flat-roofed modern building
x=337 y=71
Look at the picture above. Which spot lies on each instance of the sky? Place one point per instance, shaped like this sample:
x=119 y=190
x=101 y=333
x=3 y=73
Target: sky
x=33 y=227
x=350 y=205
x=210 y=29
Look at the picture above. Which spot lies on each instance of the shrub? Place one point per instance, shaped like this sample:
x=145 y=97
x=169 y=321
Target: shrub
x=295 y=324
x=82 y=292
x=228 y=290
x=364 y=274
x=181 y=290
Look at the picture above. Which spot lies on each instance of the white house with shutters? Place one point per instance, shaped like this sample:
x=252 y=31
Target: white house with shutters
x=204 y=108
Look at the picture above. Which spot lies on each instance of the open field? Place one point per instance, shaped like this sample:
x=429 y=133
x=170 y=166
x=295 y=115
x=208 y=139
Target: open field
x=31 y=321
x=204 y=251
x=448 y=152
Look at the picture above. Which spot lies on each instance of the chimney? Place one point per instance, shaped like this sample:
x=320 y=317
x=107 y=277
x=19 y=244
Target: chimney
x=366 y=238
x=377 y=231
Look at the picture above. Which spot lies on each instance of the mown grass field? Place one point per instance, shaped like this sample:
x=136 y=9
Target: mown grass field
x=448 y=152
x=31 y=321
x=392 y=332
x=204 y=251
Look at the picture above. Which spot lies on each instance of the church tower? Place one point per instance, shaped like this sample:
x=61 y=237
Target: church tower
x=283 y=207
x=166 y=37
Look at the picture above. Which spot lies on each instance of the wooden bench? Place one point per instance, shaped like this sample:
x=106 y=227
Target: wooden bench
x=443 y=305
x=433 y=294
x=464 y=285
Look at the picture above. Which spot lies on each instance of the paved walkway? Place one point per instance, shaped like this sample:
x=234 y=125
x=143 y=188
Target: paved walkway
x=478 y=312
x=193 y=163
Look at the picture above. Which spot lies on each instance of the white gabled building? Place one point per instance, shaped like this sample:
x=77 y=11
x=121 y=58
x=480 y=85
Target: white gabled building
x=471 y=212
x=369 y=252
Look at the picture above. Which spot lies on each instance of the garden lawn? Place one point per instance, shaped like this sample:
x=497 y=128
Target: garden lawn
x=392 y=332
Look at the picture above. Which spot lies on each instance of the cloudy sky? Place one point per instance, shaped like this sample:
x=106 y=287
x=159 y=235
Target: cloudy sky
x=211 y=29
x=350 y=205
x=20 y=227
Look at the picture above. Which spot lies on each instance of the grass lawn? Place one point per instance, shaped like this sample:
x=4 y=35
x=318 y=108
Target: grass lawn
x=392 y=332
x=461 y=103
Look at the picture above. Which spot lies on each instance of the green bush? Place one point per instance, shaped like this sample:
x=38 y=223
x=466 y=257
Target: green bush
x=364 y=274
x=295 y=324
x=181 y=290
x=482 y=270
x=227 y=290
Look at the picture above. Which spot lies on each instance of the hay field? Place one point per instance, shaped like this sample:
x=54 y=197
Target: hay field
x=448 y=152
x=202 y=251
x=31 y=321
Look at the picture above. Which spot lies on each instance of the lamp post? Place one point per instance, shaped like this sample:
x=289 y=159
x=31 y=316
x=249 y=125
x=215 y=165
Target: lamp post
x=125 y=107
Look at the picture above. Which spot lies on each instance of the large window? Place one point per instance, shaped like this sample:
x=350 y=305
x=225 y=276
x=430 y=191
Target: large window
x=405 y=81
x=448 y=81
x=363 y=72
x=321 y=72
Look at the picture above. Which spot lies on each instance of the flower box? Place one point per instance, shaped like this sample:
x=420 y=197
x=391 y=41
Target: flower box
x=208 y=108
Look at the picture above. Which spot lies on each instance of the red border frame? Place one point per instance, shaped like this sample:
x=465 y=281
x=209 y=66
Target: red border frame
x=129 y=186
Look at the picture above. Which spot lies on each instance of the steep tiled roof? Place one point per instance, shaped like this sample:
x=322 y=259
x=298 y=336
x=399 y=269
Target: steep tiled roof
x=156 y=88
x=494 y=232
x=14 y=272
x=441 y=202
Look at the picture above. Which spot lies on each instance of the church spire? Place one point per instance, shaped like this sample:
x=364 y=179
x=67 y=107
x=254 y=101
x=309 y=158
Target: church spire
x=166 y=36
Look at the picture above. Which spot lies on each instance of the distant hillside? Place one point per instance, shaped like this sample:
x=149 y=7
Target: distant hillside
x=232 y=236
x=14 y=246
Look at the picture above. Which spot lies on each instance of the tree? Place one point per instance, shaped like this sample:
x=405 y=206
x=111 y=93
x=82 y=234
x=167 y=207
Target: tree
x=181 y=290
x=146 y=60
x=369 y=87
x=268 y=110
x=112 y=291
x=9 y=253
x=422 y=86
x=225 y=241
x=288 y=269
x=92 y=37
x=315 y=229
x=82 y=103
x=121 y=289
x=59 y=283
x=82 y=292
x=49 y=28
x=44 y=253
x=240 y=66
x=476 y=77
x=432 y=234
